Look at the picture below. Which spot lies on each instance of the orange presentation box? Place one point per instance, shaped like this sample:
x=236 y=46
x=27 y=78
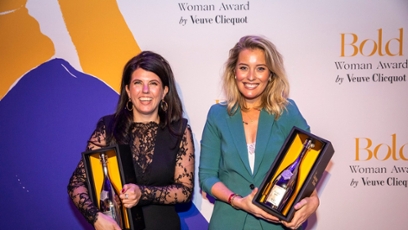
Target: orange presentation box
x=121 y=171
x=294 y=174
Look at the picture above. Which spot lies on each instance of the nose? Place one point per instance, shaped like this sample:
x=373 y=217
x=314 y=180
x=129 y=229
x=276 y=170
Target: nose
x=251 y=75
x=145 y=88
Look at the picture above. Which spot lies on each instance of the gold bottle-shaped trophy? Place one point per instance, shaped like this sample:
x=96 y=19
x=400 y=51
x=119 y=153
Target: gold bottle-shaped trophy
x=110 y=203
x=278 y=192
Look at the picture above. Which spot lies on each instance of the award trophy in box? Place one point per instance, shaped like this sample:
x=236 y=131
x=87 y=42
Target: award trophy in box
x=281 y=189
x=294 y=173
x=110 y=203
x=107 y=170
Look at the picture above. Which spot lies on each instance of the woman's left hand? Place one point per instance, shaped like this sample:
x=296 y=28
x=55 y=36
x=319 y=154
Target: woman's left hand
x=304 y=209
x=130 y=195
x=245 y=203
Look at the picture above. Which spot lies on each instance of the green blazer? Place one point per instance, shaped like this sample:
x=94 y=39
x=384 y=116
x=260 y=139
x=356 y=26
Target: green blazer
x=224 y=157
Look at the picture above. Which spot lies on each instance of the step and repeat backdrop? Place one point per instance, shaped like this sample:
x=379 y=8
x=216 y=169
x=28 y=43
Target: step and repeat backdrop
x=60 y=70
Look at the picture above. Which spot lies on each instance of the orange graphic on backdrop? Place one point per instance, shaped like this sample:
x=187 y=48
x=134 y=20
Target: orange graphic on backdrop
x=101 y=36
x=98 y=30
x=22 y=45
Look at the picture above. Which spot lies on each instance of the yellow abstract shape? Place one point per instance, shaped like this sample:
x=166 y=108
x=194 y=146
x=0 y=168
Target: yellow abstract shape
x=22 y=45
x=101 y=36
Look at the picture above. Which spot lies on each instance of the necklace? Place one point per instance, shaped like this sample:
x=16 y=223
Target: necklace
x=250 y=119
x=247 y=122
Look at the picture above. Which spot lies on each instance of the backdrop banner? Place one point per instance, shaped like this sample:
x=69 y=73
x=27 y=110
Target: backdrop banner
x=61 y=64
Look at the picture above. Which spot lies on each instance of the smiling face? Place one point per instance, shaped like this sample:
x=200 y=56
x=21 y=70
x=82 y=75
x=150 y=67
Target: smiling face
x=252 y=75
x=145 y=91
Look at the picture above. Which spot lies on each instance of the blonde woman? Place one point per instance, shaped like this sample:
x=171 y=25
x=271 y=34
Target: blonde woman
x=242 y=137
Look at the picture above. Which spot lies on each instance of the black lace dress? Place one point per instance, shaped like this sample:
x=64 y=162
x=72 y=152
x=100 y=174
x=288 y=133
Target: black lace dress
x=164 y=167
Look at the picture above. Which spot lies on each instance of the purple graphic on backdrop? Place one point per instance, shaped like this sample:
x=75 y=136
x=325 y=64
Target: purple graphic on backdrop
x=45 y=120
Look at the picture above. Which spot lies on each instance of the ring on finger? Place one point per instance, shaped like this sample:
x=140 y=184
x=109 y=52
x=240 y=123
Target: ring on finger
x=126 y=195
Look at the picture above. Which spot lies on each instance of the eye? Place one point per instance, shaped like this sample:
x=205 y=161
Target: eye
x=261 y=68
x=137 y=82
x=154 y=83
x=242 y=67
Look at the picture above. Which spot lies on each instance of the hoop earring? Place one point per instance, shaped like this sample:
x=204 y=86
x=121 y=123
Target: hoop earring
x=127 y=105
x=163 y=105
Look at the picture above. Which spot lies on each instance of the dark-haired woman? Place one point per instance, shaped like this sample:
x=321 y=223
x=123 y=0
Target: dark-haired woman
x=149 y=119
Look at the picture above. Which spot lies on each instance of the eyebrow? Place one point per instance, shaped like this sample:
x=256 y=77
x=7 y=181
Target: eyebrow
x=154 y=80
x=256 y=65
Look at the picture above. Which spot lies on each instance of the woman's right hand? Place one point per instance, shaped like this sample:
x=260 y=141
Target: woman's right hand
x=245 y=203
x=105 y=222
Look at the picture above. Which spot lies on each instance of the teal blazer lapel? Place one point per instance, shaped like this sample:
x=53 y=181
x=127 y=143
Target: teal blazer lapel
x=263 y=135
x=238 y=134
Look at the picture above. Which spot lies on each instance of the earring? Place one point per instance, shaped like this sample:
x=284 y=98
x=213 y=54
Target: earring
x=235 y=77
x=127 y=105
x=163 y=105
x=271 y=76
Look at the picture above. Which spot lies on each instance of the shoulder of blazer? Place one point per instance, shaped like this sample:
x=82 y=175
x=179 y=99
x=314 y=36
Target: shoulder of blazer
x=218 y=110
x=291 y=116
x=291 y=110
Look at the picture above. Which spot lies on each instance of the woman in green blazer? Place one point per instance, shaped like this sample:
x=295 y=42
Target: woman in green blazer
x=242 y=137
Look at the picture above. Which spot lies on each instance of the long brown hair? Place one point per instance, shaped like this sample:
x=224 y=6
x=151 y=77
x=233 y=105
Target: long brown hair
x=123 y=118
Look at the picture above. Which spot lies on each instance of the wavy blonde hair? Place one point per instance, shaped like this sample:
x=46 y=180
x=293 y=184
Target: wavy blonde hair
x=274 y=97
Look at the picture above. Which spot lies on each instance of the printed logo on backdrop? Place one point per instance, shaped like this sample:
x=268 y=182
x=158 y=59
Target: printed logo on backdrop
x=358 y=53
x=390 y=175
x=214 y=14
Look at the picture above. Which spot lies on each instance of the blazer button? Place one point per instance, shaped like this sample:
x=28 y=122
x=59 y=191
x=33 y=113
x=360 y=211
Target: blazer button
x=252 y=186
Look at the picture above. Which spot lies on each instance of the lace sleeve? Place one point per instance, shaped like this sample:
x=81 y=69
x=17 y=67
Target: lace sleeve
x=77 y=187
x=182 y=189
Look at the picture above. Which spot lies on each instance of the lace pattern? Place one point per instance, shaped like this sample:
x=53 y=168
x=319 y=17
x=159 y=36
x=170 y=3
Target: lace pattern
x=143 y=144
x=143 y=137
x=182 y=188
x=251 y=155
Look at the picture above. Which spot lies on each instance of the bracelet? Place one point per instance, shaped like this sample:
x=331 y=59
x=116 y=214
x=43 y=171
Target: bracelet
x=232 y=199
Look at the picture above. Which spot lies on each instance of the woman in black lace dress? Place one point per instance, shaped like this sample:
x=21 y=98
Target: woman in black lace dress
x=148 y=118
